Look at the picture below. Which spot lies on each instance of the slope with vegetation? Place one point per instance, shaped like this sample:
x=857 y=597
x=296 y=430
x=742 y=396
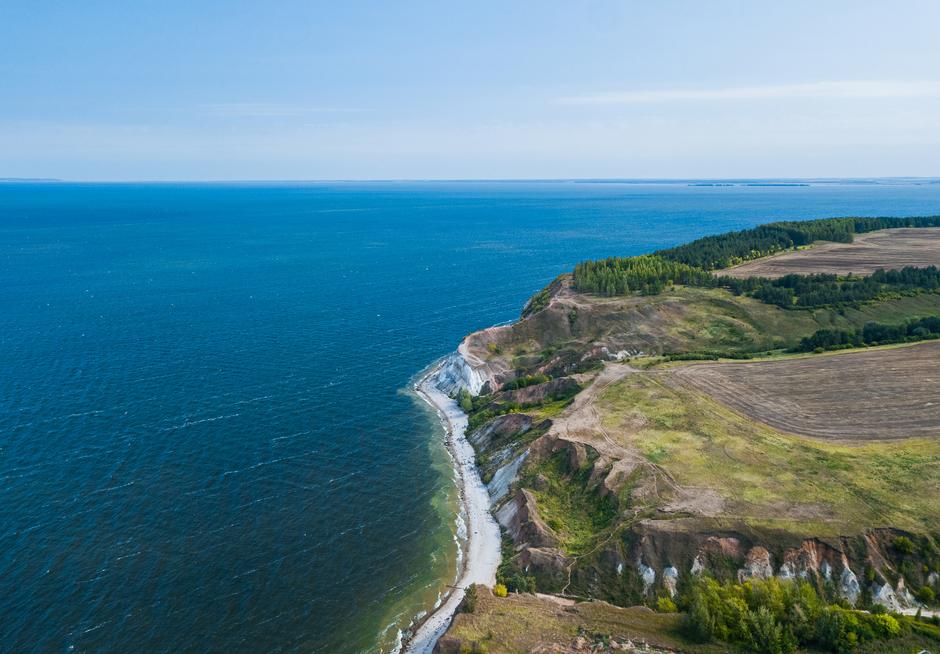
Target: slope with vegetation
x=624 y=471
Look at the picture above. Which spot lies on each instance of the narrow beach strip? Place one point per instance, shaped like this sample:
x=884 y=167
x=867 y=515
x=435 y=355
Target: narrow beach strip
x=482 y=553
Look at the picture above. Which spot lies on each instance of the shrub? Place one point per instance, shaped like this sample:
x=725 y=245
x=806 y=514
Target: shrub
x=926 y=595
x=666 y=605
x=465 y=400
x=698 y=622
x=469 y=604
x=500 y=590
x=775 y=617
x=885 y=626
x=768 y=636
x=903 y=545
x=835 y=630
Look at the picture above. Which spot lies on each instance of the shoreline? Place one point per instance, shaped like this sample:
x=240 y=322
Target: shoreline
x=481 y=555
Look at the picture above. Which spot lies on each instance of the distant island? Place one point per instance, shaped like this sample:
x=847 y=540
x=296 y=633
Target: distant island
x=730 y=445
x=28 y=179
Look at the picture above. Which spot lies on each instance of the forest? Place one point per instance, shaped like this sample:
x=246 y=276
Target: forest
x=650 y=275
x=871 y=334
x=691 y=264
x=732 y=248
x=808 y=291
x=647 y=273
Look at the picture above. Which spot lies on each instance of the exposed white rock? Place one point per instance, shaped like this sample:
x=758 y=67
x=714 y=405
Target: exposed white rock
x=885 y=596
x=622 y=355
x=455 y=374
x=697 y=566
x=670 y=579
x=826 y=570
x=504 y=477
x=506 y=515
x=620 y=568
x=904 y=595
x=647 y=574
x=848 y=585
x=786 y=572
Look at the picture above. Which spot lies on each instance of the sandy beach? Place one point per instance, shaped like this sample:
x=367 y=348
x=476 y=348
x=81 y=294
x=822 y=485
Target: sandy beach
x=481 y=553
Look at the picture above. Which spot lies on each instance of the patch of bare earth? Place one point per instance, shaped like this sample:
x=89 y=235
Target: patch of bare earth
x=882 y=394
x=888 y=249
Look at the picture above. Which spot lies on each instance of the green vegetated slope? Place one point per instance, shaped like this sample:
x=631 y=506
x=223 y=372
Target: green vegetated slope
x=632 y=465
x=801 y=485
x=684 y=320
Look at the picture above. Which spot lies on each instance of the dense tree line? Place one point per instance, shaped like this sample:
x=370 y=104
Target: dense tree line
x=723 y=250
x=690 y=265
x=647 y=273
x=825 y=290
x=871 y=334
x=650 y=274
x=776 y=617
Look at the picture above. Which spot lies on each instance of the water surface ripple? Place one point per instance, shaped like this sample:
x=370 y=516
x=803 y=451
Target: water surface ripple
x=204 y=444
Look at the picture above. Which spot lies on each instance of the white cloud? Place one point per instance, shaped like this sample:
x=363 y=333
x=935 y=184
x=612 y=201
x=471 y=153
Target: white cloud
x=814 y=90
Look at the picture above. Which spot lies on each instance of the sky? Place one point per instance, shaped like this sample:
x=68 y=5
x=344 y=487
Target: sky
x=182 y=90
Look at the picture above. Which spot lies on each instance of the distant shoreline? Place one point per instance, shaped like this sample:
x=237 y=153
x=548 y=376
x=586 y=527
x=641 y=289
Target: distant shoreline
x=482 y=548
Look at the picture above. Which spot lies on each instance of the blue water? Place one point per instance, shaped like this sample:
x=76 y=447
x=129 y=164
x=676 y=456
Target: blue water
x=205 y=444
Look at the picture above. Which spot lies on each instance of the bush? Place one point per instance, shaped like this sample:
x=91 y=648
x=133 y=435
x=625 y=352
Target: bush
x=776 y=617
x=510 y=575
x=835 y=630
x=903 y=545
x=500 y=590
x=469 y=604
x=666 y=605
x=465 y=400
x=768 y=636
x=527 y=380
x=926 y=595
x=885 y=626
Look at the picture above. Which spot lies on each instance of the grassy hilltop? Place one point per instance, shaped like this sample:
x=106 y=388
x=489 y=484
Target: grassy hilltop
x=657 y=424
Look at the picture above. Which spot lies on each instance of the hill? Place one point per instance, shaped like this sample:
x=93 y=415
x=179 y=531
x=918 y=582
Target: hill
x=661 y=426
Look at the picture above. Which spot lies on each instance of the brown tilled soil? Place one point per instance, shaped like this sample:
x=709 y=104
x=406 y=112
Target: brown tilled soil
x=883 y=394
x=889 y=249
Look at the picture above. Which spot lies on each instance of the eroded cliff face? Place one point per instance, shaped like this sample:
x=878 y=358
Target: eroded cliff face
x=456 y=374
x=654 y=553
x=642 y=534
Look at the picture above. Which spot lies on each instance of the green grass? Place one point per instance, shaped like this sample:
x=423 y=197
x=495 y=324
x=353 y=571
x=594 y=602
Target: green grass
x=716 y=320
x=548 y=409
x=578 y=515
x=520 y=624
x=826 y=488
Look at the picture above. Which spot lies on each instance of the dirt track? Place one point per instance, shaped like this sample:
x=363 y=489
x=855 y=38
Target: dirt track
x=889 y=249
x=873 y=395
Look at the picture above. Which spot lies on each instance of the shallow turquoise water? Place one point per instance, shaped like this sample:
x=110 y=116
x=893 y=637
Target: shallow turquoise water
x=204 y=443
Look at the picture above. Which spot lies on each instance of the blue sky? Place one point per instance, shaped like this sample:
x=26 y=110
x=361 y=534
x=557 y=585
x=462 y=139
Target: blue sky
x=382 y=90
